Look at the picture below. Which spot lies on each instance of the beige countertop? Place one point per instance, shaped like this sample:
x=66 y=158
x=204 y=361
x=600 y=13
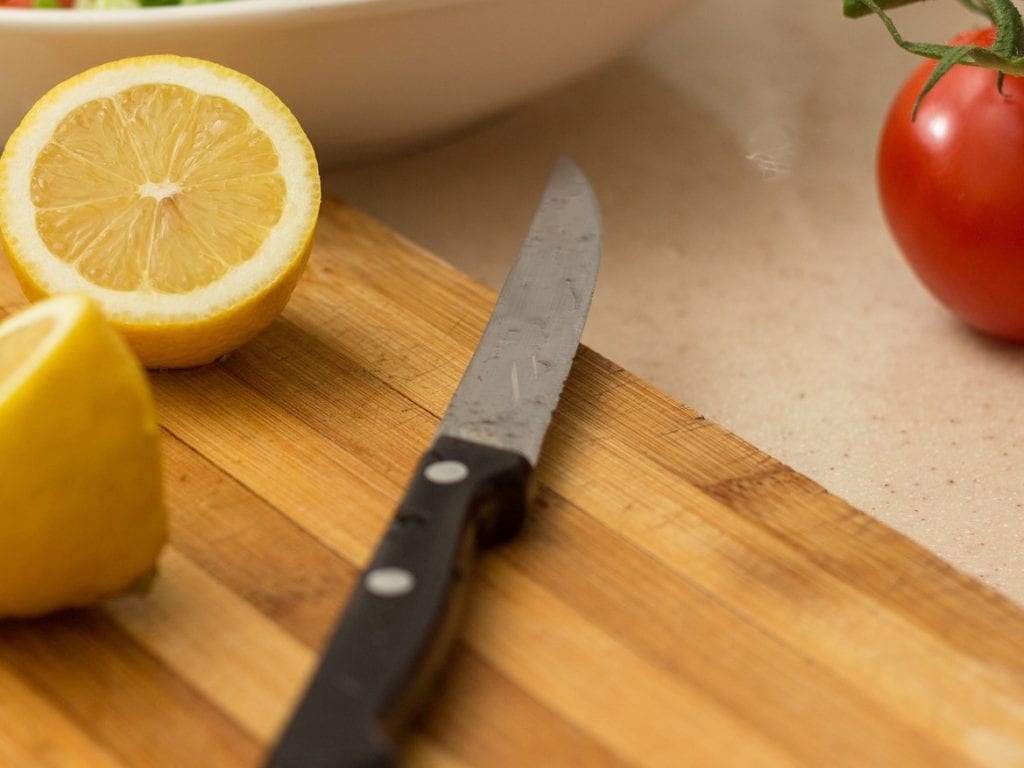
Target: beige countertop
x=747 y=271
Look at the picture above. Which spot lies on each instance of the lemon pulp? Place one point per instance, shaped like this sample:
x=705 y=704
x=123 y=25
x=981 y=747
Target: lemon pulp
x=133 y=211
x=18 y=345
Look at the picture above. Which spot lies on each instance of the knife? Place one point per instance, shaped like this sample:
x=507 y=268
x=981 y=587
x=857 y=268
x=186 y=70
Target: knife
x=469 y=491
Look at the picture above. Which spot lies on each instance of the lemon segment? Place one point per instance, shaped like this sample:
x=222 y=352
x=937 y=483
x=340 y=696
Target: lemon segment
x=81 y=510
x=178 y=193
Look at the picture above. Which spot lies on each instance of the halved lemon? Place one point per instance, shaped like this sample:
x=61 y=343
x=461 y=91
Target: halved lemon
x=180 y=194
x=81 y=510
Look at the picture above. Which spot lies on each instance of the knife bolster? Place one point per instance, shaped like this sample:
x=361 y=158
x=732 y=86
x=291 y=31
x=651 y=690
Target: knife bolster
x=501 y=481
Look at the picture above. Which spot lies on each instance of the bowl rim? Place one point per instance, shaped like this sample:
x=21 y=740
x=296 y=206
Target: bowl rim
x=226 y=12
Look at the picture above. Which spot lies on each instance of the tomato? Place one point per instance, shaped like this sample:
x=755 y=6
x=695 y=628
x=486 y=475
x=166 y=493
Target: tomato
x=951 y=186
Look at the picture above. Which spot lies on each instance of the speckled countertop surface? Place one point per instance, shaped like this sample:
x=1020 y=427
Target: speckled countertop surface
x=747 y=270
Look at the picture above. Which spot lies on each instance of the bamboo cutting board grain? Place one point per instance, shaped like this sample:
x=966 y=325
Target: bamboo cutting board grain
x=677 y=598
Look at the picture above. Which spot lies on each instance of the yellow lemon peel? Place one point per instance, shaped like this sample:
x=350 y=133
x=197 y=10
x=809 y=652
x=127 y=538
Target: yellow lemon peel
x=81 y=510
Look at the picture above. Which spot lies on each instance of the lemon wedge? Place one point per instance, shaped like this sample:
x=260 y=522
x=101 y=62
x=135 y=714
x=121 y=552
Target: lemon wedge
x=81 y=512
x=178 y=193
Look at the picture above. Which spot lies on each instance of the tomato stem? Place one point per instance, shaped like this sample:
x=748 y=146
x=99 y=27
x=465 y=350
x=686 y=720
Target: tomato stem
x=855 y=8
x=1005 y=55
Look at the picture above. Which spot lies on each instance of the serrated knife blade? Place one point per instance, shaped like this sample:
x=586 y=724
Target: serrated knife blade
x=513 y=381
x=469 y=491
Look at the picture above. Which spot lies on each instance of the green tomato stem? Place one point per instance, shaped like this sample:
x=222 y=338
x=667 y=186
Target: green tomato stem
x=1005 y=55
x=855 y=8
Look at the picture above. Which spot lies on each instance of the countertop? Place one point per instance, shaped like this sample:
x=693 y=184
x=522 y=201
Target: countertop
x=747 y=270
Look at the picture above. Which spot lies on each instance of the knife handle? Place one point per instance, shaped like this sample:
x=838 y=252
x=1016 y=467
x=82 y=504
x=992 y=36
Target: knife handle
x=403 y=614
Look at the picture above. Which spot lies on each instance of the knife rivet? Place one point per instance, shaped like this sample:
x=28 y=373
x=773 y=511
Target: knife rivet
x=446 y=472
x=390 y=582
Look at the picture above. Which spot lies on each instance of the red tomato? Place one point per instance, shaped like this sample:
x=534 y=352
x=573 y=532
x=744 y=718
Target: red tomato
x=951 y=185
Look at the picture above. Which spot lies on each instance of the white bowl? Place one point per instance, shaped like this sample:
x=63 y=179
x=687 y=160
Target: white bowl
x=364 y=77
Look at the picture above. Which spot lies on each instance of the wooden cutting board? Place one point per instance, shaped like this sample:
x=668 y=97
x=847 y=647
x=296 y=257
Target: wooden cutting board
x=677 y=598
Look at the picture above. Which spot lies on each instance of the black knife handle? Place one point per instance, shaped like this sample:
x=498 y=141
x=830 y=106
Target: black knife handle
x=403 y=614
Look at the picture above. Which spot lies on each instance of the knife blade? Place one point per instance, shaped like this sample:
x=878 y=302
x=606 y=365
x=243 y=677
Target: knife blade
x=469 y=491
